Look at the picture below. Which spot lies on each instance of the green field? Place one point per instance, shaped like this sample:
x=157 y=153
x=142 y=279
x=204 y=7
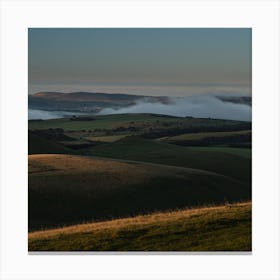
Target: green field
x=203 y=135
x=127 y=120
x=100 y=122
x=242 y=152
x=140 y=149
x=107 y=139
x=224 y=228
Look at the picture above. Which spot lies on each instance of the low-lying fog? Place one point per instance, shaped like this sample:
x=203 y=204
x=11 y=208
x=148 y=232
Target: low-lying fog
x=34 y=114
x=204 y=106
x=195 y=106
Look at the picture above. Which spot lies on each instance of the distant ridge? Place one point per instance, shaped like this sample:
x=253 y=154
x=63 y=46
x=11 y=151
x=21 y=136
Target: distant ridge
x=246 y=100
x=88 y=101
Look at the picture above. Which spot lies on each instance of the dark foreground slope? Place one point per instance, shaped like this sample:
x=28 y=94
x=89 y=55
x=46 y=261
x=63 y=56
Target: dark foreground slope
x=37 y=144
x=65 y=189
x=223 y=228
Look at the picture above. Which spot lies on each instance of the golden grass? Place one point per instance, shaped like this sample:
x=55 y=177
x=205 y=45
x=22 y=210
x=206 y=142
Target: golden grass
x=125 y=170
x=101 y=171
x=76 y=164
x=141 y=220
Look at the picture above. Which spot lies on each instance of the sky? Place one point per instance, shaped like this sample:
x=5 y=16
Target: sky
x=157 y=61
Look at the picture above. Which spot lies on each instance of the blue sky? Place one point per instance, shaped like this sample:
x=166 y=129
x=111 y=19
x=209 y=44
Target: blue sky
x=144 y=56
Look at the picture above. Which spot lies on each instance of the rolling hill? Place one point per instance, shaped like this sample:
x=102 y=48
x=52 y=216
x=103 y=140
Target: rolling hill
x=203 y=135
x=70 y=189
x=219 y=228
x=87 y=101
x=140 y=149
x=225 y=138
x=143 y=122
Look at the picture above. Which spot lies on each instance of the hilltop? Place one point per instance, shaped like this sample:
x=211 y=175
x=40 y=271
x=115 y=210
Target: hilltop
x=87 y=101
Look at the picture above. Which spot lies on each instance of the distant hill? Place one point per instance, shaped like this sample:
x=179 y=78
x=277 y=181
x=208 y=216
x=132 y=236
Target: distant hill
x=246 y=100
x=93 y=102
x=87 y=101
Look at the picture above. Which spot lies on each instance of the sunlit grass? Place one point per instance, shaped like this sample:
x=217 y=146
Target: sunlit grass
x=218 y=228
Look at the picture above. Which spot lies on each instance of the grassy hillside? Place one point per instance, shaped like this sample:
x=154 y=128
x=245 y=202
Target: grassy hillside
x=106 y=139
x=222 y=228
x=143 y=122
x=239 y=138
x=65 y=189
x=140 y=149
x=100 y=122
x=203 y=135
x=39 y=145
x=242 y=152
